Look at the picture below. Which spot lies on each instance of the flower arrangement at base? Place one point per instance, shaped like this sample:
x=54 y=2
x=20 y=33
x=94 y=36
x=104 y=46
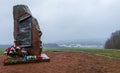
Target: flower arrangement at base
x=15 y=50
x=18 y=60
x=15 y=54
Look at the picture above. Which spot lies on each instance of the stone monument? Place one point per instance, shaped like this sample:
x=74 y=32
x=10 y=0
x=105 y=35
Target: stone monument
x=26 y=30
x=27 y=46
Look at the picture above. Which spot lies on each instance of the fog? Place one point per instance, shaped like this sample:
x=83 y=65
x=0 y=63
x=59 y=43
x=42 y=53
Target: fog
x=62 y=20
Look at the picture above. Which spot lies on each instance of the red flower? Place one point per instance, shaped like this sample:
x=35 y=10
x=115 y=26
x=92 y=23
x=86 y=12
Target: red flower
x=38 y=57
x=8 y=49
x=17 y=56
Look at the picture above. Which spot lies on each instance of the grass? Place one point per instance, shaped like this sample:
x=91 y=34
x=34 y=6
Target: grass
x=1 y=51
x=105 y=52
x=114 y=53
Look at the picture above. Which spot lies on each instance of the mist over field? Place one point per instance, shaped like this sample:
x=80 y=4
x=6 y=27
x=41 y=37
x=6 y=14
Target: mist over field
x=65 y=20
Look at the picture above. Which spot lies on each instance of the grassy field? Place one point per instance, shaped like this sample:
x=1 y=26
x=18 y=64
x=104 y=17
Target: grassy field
x=114 y=53
x=105 y=52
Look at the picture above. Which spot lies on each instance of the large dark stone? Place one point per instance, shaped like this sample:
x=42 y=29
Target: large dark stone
x=26 y=30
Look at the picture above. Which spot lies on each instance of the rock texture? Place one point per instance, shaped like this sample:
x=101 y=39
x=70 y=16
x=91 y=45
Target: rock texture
x=26 y=30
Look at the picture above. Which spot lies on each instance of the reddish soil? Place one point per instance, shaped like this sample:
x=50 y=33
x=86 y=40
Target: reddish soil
x=66 y=62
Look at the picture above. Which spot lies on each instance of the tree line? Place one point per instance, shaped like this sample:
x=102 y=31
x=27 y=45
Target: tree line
x=114 y=41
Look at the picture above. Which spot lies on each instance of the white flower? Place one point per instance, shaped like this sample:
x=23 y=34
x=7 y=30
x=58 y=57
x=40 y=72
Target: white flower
x=18 y=47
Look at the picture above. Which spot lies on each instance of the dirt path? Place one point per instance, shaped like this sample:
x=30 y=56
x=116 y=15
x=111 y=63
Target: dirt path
x=66 y=62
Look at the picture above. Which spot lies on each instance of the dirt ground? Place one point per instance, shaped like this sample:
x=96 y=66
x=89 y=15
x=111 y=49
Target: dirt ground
x=66 y=62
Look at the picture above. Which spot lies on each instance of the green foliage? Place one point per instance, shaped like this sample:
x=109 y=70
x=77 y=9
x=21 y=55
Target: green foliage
x=14 y=60
x=1 y=51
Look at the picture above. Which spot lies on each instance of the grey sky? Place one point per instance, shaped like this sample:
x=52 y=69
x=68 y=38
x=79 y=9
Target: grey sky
x=65 y=19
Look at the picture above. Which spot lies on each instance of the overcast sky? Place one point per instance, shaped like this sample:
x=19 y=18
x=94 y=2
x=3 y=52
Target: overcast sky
x=62 y=20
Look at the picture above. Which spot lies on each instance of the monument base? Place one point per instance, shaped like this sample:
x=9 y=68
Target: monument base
x=13 y=61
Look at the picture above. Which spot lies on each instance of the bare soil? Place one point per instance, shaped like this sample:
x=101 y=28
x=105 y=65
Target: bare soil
x=66 y=62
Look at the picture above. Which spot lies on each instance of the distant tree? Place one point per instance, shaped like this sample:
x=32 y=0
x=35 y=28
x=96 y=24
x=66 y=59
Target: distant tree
x=114 y=41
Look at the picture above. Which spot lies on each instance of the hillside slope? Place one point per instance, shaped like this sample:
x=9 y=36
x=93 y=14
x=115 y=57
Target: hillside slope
x=66 y=62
